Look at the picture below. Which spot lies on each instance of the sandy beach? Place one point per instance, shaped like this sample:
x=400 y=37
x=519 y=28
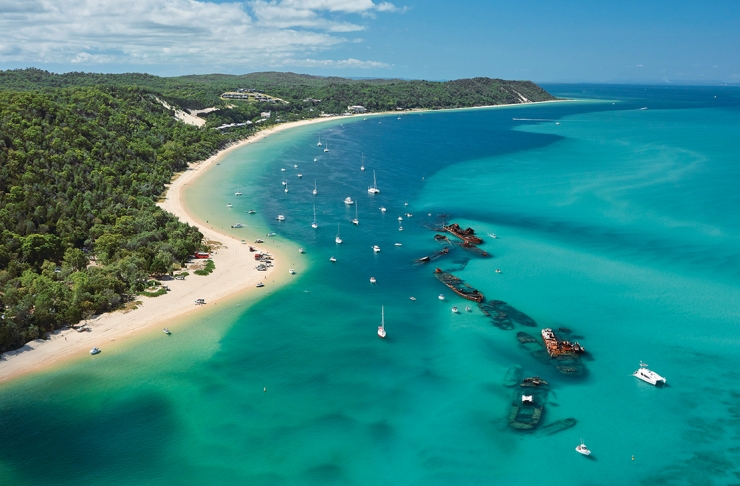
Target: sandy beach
x=235 y=273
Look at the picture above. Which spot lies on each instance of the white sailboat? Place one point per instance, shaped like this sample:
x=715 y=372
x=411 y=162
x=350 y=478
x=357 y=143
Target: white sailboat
x=362 y=167
x=319 y=144
x=338 y=239
x=381 y=327
x=314 y=188
x=286 y=186
x=374 y=189
x=314 y=225
x=356 y=220
x=327 y=147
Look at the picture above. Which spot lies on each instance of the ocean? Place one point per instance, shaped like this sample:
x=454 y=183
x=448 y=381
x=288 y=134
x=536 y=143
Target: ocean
x=616 y=217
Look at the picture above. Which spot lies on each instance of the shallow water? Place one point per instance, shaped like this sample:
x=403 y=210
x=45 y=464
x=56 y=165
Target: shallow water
x=618 y=223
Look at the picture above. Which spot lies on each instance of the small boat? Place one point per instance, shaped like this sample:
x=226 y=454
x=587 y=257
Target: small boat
x=314 y=188
x=468 y=309
x=260 y=284
x=292 y=272
x=286 y=186
x=259 y=241
x=319 y=144
x=498 y=271
x=228 y=205
x=356 y=220
x=300 y=175
x=295 y=166
x=237 y=225
x=582 y=449
x=381 y=327
x=382 y=209
x=648 y=376
x=406 y=203
x=408 y=215
x=314 y=225
x=362 y=167
x=237 y=193
x=315 y=159
x=412 y=298
x=400 y=218
x=348 y=201
x=270 y=234
x=300 y=250
x=372 y=280
x=282 y=170
x=374 y=188
x=95 y=350
x=166 y=331
x=441 y=297
x=327 y=147
x=332 y=259
x=251 y=211
x=400 y=228
x=493 y=235
x=338 y=240
x=280 y=218
x=454 y=310
x=557 y=123
x=284 y=182
x=399 y=244
x=376 y=248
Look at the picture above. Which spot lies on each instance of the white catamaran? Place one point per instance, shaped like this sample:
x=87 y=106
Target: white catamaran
x=374 y=189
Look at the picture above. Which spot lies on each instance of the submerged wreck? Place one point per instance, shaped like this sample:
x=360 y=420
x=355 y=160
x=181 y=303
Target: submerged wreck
x=567 y=364
x=505 y=316
x=528 y=405
x=556 y=347
x=433 y=256
x=467 y=235
x=458 y=286
x=471 y=247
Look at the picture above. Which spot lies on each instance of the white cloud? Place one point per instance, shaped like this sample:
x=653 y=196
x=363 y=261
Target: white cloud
x=325 y=63
x=179 y=32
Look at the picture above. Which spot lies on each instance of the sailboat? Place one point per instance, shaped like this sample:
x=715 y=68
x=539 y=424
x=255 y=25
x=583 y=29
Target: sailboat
x=362 y=167
x=381 y=327
x=314 y=188
x=327 y=147
x=314 y=225
x=374 y=189
x=338 y=239
x=319 y=144
x=356 y=220
x=286 y=186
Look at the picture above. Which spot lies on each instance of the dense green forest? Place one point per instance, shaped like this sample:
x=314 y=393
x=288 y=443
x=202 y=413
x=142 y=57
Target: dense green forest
x=84 y=158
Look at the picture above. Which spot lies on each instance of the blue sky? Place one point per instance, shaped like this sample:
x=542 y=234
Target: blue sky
x=647 y=41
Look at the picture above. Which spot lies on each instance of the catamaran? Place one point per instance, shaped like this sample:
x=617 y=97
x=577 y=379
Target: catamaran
x=338 y=239
x=374 y=189
x=314 y=225
x=381 y=327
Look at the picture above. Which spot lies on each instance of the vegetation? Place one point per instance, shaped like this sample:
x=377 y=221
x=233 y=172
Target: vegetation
x=84 y=158
x=207 y=270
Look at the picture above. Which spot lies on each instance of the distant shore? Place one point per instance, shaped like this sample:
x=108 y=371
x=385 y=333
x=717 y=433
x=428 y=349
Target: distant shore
x=234 y=274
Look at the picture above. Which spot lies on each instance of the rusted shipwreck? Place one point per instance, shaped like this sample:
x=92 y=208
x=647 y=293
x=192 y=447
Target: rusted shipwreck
x=458 y=286
x=467 y=235
x=556 y=347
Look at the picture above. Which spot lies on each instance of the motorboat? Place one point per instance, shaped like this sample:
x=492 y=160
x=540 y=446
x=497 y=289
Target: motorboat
x=454 y=310
x=259 y=241
x=400 y=228
x=315 y=159
x=406 y=203
x=300 y=250
x=400 y=218
x=493 y=235
x=295 y=166
x=648 y=376
x=260 y=284
x=412 y=298
x=408 y=215
x=382 y=209
x=381 y=327
x=374 y=188
x=237 y=193
x=251 y=211
x=271 y=234
x=468 y=309
x=300 y=175
x=348 y=200
x=229 y=205
x=280 y=217
x=95 y=350
x=498 y=271
x=284 y=182
x=372 y=280
x=237 y=225
x=376 y=248
x=166 y=331
x=441 y=297
x=582 y=449
x=332 y=259
x=398 y=244
x=292 y=272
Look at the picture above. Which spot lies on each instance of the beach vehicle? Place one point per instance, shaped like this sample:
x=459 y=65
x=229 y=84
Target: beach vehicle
x=314 y=225
x=356 y=220
x=237 y=193
x=166 y=331
x=382 y=209
x=332 y=259
x=314 y=188
x=280 y=218
x=454 y=310
x=260 y=284
x=372 y=280
x=95 y=350
x=582 y=449
x=374 y=188
x=381 y=327
x=319 y=144
x=441 y=297
x=338 y=240
x=376 y=248
x=648 y=376
x=362 y=167
x=327 y=147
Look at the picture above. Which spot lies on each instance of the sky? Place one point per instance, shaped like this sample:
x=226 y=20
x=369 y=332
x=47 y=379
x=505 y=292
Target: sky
x=625 y=41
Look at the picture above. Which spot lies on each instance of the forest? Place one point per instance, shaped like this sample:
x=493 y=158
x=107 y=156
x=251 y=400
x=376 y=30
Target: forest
x=84 y=158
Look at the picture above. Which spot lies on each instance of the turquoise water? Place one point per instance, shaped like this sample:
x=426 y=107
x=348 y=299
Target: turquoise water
x=619 y=223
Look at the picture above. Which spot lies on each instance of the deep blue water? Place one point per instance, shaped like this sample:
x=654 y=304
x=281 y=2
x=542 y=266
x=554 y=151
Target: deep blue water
x=617 y=222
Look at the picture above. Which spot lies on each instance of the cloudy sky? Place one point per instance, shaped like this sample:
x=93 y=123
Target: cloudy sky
x=569 y=40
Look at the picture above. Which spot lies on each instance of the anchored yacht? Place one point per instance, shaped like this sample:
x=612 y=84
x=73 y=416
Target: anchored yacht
x=648 y=376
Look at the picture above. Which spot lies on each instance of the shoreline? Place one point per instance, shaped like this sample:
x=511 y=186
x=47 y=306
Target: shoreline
x=234 y=274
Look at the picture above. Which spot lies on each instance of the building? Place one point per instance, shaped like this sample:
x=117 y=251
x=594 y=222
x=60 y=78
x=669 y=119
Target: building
x=356 y=109
x=266 y=114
